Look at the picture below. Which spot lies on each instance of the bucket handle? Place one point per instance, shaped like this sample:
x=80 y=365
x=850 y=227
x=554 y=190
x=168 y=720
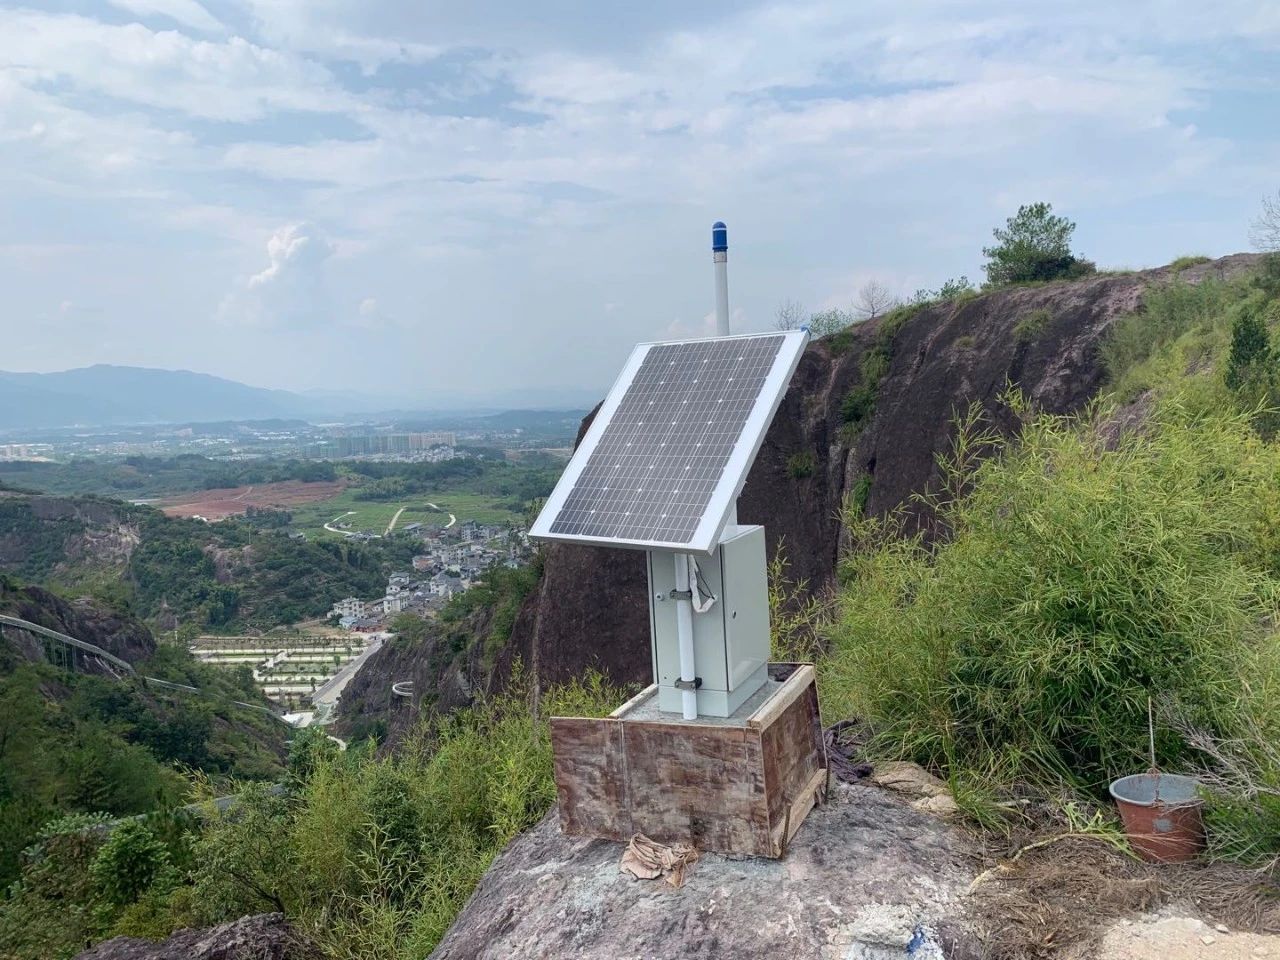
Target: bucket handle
x=1154 y=770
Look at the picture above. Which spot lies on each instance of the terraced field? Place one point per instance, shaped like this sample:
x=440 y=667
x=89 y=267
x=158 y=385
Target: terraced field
x=287 y=669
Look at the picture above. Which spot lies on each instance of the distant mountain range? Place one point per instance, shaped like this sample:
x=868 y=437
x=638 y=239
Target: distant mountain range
x=105 y=394
x=111 y=395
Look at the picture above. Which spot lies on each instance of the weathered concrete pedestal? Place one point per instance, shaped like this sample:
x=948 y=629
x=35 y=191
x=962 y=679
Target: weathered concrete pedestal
x=739 y=784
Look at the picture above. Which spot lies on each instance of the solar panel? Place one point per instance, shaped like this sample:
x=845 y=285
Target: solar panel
x=666 y=455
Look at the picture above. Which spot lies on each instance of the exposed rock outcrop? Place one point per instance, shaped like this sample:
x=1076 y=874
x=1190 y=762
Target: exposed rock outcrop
x=77 y=529
x=440 y=667
x=866 y=877
x=266 y=936
x=86 y=620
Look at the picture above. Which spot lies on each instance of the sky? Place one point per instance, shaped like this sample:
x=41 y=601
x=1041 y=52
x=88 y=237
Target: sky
x=499 y=198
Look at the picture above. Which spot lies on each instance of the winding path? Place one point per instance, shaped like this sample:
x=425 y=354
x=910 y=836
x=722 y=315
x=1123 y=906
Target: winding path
x=332 y=529
x=452 y=518
x=392 y=525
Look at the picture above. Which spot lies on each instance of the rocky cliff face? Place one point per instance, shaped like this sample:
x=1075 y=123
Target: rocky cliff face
x=823 y=451
x=50 y=531
x=444 y=672
x=85 y=620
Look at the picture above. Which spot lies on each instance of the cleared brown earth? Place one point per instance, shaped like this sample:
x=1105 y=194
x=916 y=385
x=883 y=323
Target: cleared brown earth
x=233 y=501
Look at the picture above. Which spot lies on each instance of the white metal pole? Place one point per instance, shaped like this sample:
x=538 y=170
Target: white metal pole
x=720 y=256
x=684 y=636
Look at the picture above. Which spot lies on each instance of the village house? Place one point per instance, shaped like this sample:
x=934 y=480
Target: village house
x=350 y=607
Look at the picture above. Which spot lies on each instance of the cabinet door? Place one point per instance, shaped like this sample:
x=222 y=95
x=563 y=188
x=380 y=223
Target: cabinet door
x=746 y=605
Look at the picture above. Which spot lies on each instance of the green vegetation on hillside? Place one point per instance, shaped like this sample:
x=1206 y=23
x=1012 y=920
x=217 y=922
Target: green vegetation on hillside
x=370 y=857
x=499 y=594
x=247 y=573
x=859 y=403
x=226 y=576
x=229 y=576
x=142 y=477
x=77 y=743
x=1129 y=554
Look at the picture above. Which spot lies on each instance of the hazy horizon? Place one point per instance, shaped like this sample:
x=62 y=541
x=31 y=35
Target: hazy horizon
x=376 y=199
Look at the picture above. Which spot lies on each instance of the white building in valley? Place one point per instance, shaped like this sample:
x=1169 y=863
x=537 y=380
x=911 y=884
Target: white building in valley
x=350 y=607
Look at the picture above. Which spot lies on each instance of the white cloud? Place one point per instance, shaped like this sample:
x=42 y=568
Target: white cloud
x=292 y=290
x=321 y=27
x=231 y=80
x=296 y=249
x=186 y=12
x=371 y=317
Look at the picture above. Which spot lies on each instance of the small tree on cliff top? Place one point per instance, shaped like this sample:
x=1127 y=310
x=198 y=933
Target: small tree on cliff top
x=1034 y=244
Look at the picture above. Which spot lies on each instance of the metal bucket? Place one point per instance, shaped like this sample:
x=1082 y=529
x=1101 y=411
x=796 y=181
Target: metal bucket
x=1162 y=815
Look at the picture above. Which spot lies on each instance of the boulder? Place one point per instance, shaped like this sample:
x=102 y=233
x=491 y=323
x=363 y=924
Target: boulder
x=865 y=877
x=266 y=936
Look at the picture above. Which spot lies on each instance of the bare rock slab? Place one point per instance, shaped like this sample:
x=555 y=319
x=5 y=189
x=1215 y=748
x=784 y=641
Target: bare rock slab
x=866 y=877
x=265 y=936
x=1178 y=937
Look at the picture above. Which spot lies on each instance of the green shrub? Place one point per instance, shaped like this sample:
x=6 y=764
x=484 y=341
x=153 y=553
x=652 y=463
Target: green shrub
x=50 y=911
x=860 y=402
x=956 y=288
x=840 y=342
x=829 y=322
x=128 y=863
x=801 y=464
x=1267 y=277
x=243 y=860
x=965 y=343
x=1031 y=325
x=1026 y=646
x=1183 y=262
x=1253 y=365
x=501 y=592
x=1243 y=828
x=1251 y=358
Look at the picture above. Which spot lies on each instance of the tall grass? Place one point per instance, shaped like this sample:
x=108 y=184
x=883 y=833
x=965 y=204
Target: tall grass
x=1083 y=575
x=1169 y=311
